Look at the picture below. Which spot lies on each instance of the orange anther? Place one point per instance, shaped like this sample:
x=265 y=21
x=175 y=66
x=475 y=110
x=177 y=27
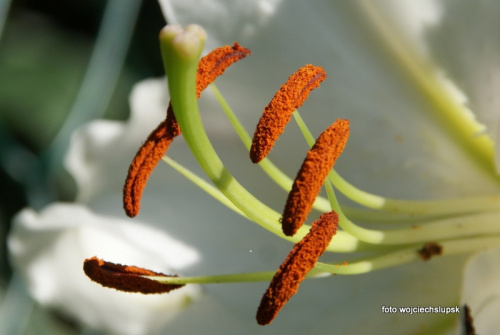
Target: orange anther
x=125 y=278
x=277 y=114
x=315 y=168
x=156 y=145
x=296 y=266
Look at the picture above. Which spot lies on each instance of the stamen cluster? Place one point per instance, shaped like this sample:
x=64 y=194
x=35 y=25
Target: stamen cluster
x=428 y=229
x=276 y=115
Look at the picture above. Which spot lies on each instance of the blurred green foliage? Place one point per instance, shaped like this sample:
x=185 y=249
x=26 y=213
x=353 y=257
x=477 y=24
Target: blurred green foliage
x=45 y=49
x=41 y=67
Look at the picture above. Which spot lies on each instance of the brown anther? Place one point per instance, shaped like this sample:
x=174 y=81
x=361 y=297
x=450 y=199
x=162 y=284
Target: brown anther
x=142 y=165
x=156 y=145
x=469 y=321
x=315 y=168
x=125 y=278
x=216 y=62
x=279 y=111
x=429 y=250
x=296 y=266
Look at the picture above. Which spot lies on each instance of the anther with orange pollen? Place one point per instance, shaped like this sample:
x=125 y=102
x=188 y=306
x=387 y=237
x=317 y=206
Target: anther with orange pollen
x=312 y=174
x=156 y=145
x=296 y=266
x=125 y=278
x=278 y=112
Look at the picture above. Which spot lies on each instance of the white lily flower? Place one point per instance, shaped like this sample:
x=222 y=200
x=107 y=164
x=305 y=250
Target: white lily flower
x=399 y=147
x=48 y=249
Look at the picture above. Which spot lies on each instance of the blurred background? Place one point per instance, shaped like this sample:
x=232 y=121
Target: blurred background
x=62 y=63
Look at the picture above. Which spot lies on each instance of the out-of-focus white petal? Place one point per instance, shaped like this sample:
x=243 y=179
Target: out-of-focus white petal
x=481 y=291
x=48 y=249
x=100 y=152
x=412 y=18
x=464 y=43
x=224 y=17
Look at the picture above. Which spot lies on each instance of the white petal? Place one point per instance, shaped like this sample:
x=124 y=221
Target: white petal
x=412 y=19
x=481 y=291
x=225 y=17
x=100 y=152
x=48 y=249
x=464 y=43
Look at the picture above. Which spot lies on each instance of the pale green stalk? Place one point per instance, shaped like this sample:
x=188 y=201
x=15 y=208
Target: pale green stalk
x=452 y=114
x=214 y=192
x=353 y=267
x=448 y=228
x=272 y=170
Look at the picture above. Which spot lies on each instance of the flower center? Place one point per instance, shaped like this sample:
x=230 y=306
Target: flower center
x=412 y=230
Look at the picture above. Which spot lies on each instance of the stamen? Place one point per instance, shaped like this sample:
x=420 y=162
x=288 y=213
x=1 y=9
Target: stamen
x=469 y=321
x=144 y=162
x=279 y=111
x=294 y=269
x=318 y=163
x=216 y=62
x=429 y=250
x=150 y=153
x=125 y=278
